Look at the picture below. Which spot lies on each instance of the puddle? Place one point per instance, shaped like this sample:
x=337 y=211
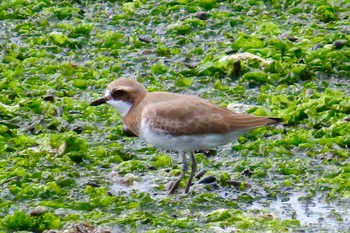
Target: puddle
x=314 y=214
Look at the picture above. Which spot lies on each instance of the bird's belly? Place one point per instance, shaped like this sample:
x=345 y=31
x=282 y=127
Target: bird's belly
x=187 y=143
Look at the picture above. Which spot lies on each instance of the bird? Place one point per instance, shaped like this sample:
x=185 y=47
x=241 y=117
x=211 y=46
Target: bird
x=177 y=122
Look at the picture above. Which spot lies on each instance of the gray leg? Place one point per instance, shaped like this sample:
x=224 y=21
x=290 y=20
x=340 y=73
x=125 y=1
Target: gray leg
x=193 y=171
x=183 y=173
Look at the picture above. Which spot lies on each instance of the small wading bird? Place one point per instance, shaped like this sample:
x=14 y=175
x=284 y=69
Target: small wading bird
x=177 y=122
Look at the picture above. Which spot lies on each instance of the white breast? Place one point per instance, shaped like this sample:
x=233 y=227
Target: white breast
x=186 y=143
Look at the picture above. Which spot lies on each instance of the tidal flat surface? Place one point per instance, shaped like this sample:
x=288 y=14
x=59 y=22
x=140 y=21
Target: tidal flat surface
x=67 y=165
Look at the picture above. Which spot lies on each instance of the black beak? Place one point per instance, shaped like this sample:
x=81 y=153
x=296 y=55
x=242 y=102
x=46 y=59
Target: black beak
x=99 y=101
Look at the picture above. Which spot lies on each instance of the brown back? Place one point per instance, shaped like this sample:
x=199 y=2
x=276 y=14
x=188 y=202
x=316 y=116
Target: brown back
x=189 y=115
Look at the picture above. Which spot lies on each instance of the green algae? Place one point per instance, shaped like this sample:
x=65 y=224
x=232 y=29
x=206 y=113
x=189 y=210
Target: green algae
x=61 y=153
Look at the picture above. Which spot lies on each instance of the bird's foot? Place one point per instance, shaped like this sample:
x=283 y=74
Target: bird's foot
x=187 y=189
x=171 y=187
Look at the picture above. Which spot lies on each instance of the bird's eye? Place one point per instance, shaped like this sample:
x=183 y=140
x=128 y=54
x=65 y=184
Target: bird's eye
x=116 y=94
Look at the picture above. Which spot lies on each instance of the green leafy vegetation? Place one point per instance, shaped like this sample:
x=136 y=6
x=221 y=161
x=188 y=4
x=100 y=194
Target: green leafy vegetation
x=289 y=59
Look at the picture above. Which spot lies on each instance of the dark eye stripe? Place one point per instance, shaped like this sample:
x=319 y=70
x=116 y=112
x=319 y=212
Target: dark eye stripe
x=116 y=94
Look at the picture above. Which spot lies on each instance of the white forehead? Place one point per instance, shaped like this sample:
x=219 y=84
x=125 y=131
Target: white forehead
x=107 y=93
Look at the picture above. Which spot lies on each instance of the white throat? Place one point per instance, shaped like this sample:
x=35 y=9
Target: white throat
x=122 y=107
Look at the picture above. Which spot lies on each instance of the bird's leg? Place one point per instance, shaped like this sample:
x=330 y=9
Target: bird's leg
x=193 y=171
x=183 y=172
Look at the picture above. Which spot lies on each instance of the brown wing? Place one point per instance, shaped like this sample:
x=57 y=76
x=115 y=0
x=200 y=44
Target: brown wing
x=190 y=116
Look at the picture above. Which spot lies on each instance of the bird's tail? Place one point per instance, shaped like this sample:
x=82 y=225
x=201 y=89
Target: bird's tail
x=274 y=120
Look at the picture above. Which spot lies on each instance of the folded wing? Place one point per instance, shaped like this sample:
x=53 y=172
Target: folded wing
x=187 y=117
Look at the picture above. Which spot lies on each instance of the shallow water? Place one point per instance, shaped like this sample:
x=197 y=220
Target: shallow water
x=314 y=214
x=129 y=183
